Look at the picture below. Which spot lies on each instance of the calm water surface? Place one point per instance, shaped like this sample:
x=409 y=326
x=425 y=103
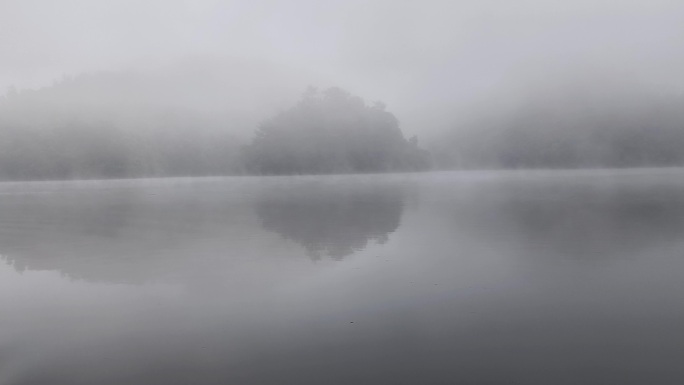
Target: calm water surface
x=443 y=278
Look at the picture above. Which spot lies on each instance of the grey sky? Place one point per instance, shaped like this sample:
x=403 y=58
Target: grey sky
x=434 y=56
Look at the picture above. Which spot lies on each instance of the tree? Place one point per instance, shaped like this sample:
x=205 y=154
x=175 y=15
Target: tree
x=332 y=132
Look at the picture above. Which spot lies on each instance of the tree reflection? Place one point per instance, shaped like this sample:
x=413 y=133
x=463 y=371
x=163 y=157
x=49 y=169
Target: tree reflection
x=120 y=232
x=575 y=219
x=330 y=219
x=190 y=232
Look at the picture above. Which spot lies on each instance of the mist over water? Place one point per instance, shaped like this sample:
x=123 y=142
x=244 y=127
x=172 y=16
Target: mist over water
x=481 y=277
x=341 y=192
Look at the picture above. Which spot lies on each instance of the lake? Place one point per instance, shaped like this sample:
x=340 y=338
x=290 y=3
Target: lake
x=566 y=277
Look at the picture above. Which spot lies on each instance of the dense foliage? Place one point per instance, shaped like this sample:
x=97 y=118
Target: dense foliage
x=588 y=129
x=82 y=149
x=60 y=133
x=333 y=132
x=121 y=125
x=117 y=125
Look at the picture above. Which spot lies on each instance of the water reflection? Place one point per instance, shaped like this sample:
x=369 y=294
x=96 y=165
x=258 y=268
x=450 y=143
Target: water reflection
x=604 y=227
x=192 y=233
x=332 y=219
x=132 y=232
x=583 y=219
x=488 y=282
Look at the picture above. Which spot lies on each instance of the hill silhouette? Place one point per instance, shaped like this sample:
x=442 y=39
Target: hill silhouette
x=587 y=124
x=333 y=131
x=188 y=118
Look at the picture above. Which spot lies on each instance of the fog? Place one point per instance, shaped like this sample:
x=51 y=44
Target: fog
x=341 y=192
x=431 y=62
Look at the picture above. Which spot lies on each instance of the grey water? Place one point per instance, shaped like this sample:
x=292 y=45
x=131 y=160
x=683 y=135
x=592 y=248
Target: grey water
x=542 y=277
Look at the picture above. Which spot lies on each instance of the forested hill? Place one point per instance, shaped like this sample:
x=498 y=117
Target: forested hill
x=583 y=126
x=189 y=118
x=332 y=132
x=196 y=120
x=227 y=118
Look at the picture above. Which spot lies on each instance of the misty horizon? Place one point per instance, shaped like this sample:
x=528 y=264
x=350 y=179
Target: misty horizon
x=431 y=62
x=260 y=192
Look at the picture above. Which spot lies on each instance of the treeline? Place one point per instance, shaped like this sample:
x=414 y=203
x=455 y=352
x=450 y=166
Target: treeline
x=69 y=137
x=74 y=149
x=333 y=132
x=588 y=128
x=62 y=133
x=187 y=118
